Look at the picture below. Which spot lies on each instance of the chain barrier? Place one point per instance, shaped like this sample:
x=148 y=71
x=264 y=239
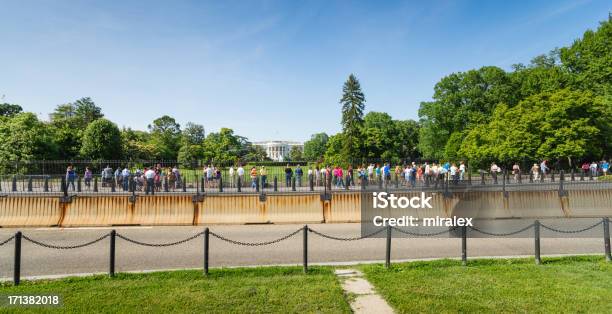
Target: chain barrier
x=346 y=239
x=570 y=231
x=160 y=244
x=7 y=241
x=423 y=234
x=222 y=238
x=501 y=234
x=64 y=247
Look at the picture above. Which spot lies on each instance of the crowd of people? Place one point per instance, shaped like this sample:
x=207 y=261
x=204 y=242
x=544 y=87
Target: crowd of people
x=152 y=179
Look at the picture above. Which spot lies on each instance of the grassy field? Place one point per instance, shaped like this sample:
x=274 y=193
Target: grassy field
x=570 y=285
x=254 y=290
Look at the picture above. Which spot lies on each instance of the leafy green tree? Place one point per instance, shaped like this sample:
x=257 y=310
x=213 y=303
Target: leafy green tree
x=352 y=115
x=255 y=153
x=314 y=149
x=224 y=146
x=24 y=137
x=9 y=110
x=589 y=60
x=136 y=145
x=335 y=153
x=407 y=141
x=296 y=154
x=165 y=137
x=87 y=111
x=101 y=140
x=193 y=134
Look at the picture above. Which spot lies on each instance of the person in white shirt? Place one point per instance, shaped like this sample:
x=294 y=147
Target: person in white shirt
x=125 y=173
x=453 y=173
x=150 y=177
x=461 y=171
x=231 y=176
x=240 y=172
x=371 y=172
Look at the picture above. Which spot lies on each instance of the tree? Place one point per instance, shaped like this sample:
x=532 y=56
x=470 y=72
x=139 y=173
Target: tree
x=101 y=140
x=165 y=137
x=225 y=146
x=314 y=149
x=352 y=115
x=407 y=142
x=136 y=145
x=335 y=154
x=255 y=153
x=295 y=153
x=24 y=137
x=87 y=111
x=193 y=134
x=9 y=110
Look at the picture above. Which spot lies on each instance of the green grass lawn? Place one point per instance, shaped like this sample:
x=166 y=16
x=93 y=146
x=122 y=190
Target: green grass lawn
x=569 y=284
x=246 y=290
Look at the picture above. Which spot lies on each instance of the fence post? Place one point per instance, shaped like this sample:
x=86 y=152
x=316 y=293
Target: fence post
x=552 y=176
x=111 y=268
x=482 y=177
x=573 y=175
x=184 y=183
x=206 y=249
x=203 y=183
x=220 y=184
x=79 y=186
x=257 y=184
x=305 y=261
x=17 y=265
x=536 y=237
x=505 y=174
x=469 y=176
x=311 y=182
x=275 y=184
x=396 y=181
x=292 y=183
x=46 y=184
x=346 y=182
x=239 y=184
x=582 y=175
x=363 y=183
x=606 y=227
x=113 y=187
x=14 y=185
x=95 y=188
x=64 y=187
x=30 y=184
x=388 y=250
x=530 y=176
x=590 y=175
x=464 y=245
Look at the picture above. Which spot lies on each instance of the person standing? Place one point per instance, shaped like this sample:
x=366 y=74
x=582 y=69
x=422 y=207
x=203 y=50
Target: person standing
x=298 y=175
x=88 y=175
x=593 y=168
x=70 y=176
x=264 y=176
x=125 y=173
x=254 y=178
x=150 y=177
x=461 y=171
x=535 y=171
x=543 y=169
x=604 y=167
x=240 y=172
x=288 y=175
x=231 y=176
x=516 y=171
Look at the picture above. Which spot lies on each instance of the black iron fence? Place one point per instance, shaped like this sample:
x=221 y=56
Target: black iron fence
x=277 y=180
x=305 y=231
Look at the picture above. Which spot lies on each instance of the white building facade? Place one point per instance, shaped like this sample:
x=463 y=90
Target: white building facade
x=278 y=150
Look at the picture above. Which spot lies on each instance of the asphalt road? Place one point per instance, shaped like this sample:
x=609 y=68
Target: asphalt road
x=40 y=261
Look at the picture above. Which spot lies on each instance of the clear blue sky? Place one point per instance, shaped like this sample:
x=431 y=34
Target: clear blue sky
x=267 y=69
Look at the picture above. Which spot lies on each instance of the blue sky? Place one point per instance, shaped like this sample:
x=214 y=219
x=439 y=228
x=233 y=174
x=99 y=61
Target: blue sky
x=267 y=69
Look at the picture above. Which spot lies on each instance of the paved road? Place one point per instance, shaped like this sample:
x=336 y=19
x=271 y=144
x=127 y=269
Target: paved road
x=43 y=261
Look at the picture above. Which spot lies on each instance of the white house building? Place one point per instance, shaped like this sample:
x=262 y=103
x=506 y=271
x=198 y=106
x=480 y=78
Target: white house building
x=278 y=150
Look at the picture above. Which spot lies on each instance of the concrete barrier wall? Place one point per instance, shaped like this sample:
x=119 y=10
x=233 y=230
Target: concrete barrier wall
x=29 y=211
x=288 y=208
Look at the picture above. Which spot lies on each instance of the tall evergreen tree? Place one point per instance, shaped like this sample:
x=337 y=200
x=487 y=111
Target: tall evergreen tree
x=352 y=116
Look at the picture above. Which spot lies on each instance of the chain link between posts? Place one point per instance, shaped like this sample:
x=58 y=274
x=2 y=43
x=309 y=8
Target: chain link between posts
x=423 y=234
x=7 y=241
x=64 y=247
x=570 y=231
x=502 y=234
x=222 y=238
x=195 y=236
x=346 y=239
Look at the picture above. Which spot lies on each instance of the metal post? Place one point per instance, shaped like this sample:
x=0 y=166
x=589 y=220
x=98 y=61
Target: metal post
x=536 y=237
x=590 y=175
x=363 y=183
x=388 y=250
x=111 y=268
x=239 y=186
x=606 y=227
x=346 y=182
x=184 y=184
x=14 y=185
x=275 y=184
x=30 y=184
x=573 y=175
x=552 y=176
x=292 y=183
x=257 y=184
x=469 y=176
x=520 y=177
x=17 y=265
x=582 y=175
x=203 y=184
x=79 y=186
x=46 y=184
x=305 y=261
x=64 y=187
x=95 y=188
x=482 y=178
x=311 y=182
x=113 y=185
x=206 y=249
x=220 y=184
x=531 y=176
x=463 y=245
